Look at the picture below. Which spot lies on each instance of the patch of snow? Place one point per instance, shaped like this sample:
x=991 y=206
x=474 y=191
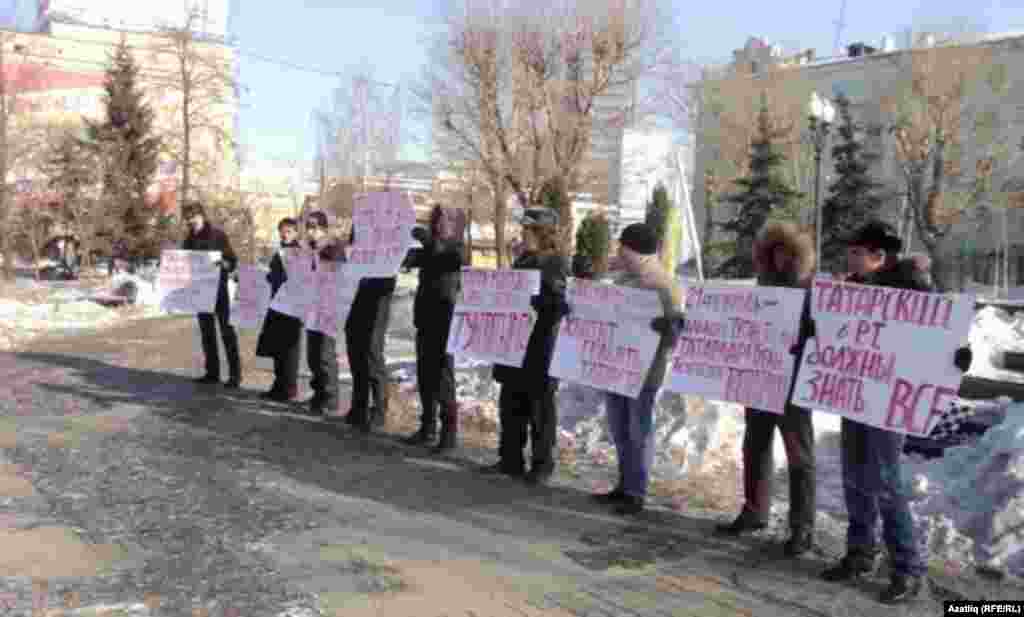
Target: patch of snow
x=993 y=333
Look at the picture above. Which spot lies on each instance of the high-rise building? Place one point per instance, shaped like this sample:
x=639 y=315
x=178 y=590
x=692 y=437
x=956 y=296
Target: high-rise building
x=210 y=16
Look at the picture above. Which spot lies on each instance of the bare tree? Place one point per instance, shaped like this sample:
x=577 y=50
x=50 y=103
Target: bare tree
x=931 y=117
x=518 y=88
x=203 y=78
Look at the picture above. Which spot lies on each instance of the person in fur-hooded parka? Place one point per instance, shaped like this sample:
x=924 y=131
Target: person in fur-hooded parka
x=784 y=257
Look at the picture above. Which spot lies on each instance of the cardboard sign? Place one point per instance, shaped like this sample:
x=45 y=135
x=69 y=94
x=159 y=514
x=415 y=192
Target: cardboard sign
x=607 y=341
x=883 y=356
x=253 y=298
x=383 y=223
x=337 y=289
x=187 y=282
x=297 y=295
x=736 y=343
x=493 y=318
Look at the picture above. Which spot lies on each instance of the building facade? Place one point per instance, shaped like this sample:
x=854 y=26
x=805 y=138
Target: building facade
x=866 y=77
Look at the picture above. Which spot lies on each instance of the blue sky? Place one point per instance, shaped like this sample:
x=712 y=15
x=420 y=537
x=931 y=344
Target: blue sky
x=337 y=35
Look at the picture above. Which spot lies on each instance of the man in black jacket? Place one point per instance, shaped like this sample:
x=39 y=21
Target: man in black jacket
x=440 y=263
x=873 y=483
x=203 y=237
x=365 y=334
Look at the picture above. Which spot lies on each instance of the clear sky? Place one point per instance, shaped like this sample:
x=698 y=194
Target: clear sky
x=389 y=35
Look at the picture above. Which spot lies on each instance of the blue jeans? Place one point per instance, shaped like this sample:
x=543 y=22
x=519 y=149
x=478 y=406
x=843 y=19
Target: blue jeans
x=631 y=424
x=874 y=488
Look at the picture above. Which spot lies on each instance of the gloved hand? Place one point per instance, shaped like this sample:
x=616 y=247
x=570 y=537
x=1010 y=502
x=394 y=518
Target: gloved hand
x=962 y=359
x=668 y=325
x=420 y=234
x=554 y=304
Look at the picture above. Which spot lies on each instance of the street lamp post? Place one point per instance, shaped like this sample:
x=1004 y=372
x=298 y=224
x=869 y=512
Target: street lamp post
x=820 y=117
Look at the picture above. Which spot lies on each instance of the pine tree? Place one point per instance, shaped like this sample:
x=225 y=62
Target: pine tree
x=762 y=191
x=854 y=196
x=128 y=150
x=553 y=194
x=657 y=213
x=593 y=240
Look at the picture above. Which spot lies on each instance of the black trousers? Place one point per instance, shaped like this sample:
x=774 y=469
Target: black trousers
x=208 y=323
x=435 y=369
x=286 y=368
x=322 y=356
x=528 y=414
x=758 y=465
x=365 y=336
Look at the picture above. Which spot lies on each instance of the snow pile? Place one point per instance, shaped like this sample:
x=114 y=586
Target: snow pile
x=993 y=333
x=978 y=490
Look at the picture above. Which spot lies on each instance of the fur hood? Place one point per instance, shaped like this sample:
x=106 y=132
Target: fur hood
x=797 y=242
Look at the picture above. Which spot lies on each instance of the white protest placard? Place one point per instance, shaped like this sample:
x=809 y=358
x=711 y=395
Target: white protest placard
x=493 y=319
x=253 y=298
x=607 y=341
x=298 y=293
x=735 y=345
x=883 y=356
x=383 y=223
x=187 y=282
x=337 y=288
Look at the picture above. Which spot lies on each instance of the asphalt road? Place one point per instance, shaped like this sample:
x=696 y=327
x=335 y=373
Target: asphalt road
x=132 y=488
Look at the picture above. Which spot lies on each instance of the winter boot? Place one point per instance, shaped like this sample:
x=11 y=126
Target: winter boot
x=854 y=566
x=746 y=522
x=901 y=589
x=801 y=540
x=428 y=423
x=449 y=428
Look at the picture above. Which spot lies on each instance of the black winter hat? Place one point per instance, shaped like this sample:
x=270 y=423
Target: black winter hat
x=877 y=235
x=639 y=238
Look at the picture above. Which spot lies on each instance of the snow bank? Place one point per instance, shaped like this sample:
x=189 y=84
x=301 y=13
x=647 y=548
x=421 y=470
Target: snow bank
x=977 y=490
x=994 y=332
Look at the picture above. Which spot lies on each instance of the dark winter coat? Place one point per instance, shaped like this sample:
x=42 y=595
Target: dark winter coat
x=279 y=331
x=902 y=274
x=210 y=238
x=440 y=264
x=551 y=307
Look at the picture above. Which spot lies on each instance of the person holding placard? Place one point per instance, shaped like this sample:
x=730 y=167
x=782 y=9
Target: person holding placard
x=321 y=348
x=631 y=420
x=365 y=336
x=281 y=337
x=526 y=405
x=783 y=257
x=440 y=261
x=204 y=237
x=873 y=483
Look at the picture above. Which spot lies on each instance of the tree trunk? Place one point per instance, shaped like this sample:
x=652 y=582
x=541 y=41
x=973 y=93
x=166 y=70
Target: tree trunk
x=709 y=226
x=499 y=226
x=186 y=128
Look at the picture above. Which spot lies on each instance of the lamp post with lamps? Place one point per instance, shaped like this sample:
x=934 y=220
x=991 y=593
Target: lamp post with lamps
x=821 y=114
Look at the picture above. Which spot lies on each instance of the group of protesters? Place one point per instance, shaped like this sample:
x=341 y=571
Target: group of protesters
x=784 y=256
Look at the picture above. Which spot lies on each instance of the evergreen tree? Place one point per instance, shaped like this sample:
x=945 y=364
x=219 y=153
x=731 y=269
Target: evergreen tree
x=553 y=194
x=657 y=213
x=125 y=143
x=593 y=240
x=761 y=191
x=854 y=196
